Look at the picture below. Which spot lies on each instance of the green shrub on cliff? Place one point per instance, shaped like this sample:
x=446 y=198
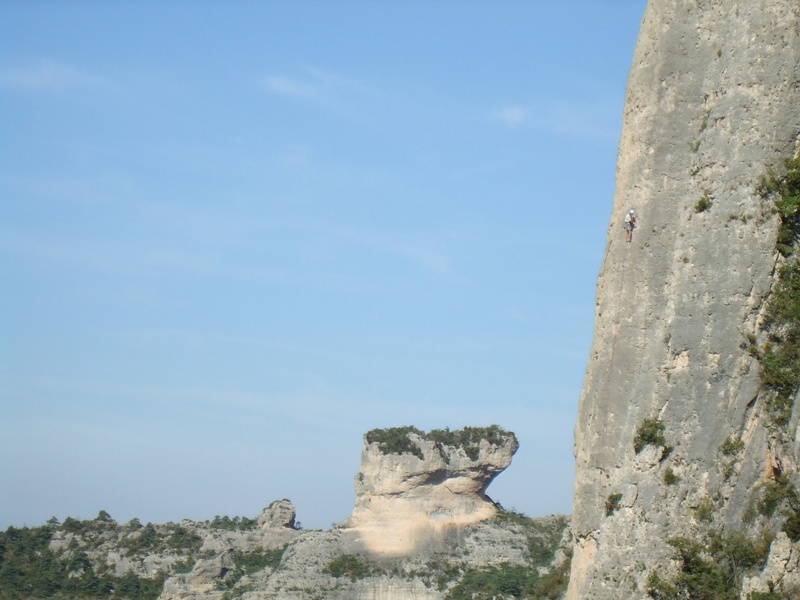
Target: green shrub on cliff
x=649 y=433
x=396 y=440
x=787 y=204
x=30 y=569
x=352 y=566
x=711 y=569
x=780 y=357
x=507 y=581
x=612 y=503
x=469 y=438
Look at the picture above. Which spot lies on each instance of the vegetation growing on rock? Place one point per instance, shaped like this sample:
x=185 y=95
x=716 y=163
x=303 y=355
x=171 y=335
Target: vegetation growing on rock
x=31 y=568
x=713 y=568
x=353 y=566
x=612 y=503
x=713 y=564
x=521 y=581
x=649 y=433
x=731 y=446
x=99 y=559
x=670 y=478
x=780 y=355
x=397 y=440
x=703 y=204
x=250 y=562
x=786 y=190
x=507 y=581
x=232 y=524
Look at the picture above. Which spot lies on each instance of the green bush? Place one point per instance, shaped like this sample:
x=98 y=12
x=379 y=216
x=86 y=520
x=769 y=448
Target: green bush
x=703 y=204
x=775 y=493
x=183 y=566
x=352 y=566
x=256 y=560
x=129 y=586
x=650 y=432
x=787 y=203
x=146 y=541
x=710 y=570
x=543 y=535
x=496 y=582
x=233 y=524
x=553 y=585
x=181 y=539
x=612 y=503
x=29 y=569
x=469 y=438
x=669 y=476
x=395 y=440
x=660 y=588
x=705 y=509
x=247 y=563
x=731 y=446
x=780 y=359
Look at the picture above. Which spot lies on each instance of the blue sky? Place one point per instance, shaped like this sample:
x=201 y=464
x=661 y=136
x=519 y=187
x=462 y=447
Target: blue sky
x=235 y=236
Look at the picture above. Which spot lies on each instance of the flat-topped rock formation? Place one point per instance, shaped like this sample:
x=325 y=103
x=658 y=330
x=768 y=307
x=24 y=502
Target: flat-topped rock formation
x=413 y=486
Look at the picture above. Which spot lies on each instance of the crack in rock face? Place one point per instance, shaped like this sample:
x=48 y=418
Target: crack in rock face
x=409 y=500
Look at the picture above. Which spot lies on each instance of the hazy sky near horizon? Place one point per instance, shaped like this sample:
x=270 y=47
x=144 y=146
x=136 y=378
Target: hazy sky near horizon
x=235 y=236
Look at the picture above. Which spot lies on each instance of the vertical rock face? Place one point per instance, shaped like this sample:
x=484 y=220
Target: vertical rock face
x=713 y=99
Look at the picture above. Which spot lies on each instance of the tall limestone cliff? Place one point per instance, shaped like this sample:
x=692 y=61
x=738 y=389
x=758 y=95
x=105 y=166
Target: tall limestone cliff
x=713 y=101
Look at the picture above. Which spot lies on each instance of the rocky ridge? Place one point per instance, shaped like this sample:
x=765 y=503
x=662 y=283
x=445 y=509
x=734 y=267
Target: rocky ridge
x=422 y=527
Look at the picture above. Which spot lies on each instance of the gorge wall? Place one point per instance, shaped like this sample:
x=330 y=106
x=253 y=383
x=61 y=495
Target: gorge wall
x=713 y=100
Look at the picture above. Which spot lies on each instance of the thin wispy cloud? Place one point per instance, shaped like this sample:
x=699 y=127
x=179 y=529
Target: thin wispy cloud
x=512 y=116
x=46 y=76
x=584 y=118
x=288 y=86
x=330 y=91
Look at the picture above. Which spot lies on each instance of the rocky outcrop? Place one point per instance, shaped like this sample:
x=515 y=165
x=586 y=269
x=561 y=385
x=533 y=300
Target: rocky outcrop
x=280 y=514
x=407 y=498
x=421 y=521
x=422 y=527
x=713 y=101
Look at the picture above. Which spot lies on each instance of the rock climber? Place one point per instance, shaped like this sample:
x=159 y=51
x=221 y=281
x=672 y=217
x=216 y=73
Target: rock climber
x=630 y=225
